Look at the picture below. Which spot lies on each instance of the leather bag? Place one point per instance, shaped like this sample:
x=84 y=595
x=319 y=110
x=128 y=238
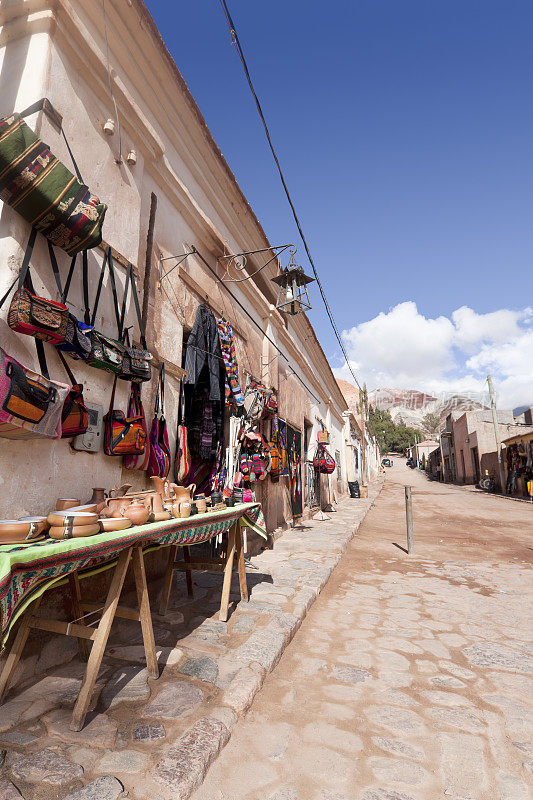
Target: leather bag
x=159 y=463
x=106 y=353
x=136 y=365
x=123 y=435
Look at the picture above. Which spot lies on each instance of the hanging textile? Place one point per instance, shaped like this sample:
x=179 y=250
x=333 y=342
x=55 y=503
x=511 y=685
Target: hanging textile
x=294 y=458
x=227 y=344
x=203 y=347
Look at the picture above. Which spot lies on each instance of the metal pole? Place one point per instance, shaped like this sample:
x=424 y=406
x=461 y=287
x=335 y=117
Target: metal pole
x=497 y=434
x=409 y=519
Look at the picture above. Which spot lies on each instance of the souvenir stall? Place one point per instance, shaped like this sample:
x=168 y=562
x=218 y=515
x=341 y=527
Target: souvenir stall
x=215 y=465
x=519 y=463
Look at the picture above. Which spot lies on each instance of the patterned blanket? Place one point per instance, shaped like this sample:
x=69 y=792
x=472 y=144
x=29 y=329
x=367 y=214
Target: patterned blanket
x=28 y=570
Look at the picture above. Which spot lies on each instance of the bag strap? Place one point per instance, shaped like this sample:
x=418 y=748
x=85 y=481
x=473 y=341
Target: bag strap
x=85 y=281
x=162 y=386
x=130 y=281
x=158 y=391
x=108 y=261
x=71 y=377
x=45 y=105
x=112 y=400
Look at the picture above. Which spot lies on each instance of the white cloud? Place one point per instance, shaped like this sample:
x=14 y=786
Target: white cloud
x=403 y=349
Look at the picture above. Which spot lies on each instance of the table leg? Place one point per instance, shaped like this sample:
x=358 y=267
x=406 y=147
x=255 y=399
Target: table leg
x=75 y=594
x=143 y=601
x=167 y=582
x=188 y=573
x=241 y=565
x=99 y=643
x=17 y=647
x=226 y=587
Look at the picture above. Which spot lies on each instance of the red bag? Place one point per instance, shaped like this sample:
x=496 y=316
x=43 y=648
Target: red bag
x=323 y=461
x=123 y=435
x=183 y=461
x=137 y=461
x=75 y=416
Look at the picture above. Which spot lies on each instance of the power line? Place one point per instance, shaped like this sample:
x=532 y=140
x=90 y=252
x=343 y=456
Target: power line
x=236 y=42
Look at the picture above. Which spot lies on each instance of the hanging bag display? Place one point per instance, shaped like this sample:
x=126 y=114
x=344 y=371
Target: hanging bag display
x=123 y=435
x=31 y=314
x=183 y=461
x=75 y=415
x=159 y=463
x=31 y=404
x=323 y=461
x=135 y=407
x=42 y=190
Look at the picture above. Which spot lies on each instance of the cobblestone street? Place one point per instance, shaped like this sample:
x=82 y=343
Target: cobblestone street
x=410 y=678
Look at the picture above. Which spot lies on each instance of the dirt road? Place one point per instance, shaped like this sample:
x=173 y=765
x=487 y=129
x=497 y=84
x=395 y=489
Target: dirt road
x=410 y=678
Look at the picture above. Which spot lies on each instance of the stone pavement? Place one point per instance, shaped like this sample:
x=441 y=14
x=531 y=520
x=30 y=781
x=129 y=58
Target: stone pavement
x=410 y=678
x=149 y=738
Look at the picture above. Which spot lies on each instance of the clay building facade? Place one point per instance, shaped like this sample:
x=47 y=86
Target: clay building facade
x=56 y=49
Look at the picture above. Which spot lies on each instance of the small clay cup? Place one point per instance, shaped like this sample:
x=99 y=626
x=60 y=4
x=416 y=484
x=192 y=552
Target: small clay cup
x=216 y=498
x=185 y=510
x=194 y=509
x=64 y=503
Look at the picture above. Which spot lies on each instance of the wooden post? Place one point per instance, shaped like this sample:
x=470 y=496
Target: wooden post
x=75 y=594
x=226 y=586
x=167 y=582
x=409 y=519
x=187 y=559
x=145 y=617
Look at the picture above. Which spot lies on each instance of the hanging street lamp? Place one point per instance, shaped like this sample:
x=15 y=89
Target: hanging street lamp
x=293 y=297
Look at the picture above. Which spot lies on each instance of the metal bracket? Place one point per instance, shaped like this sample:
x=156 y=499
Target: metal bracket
x=230 y=258
x=180 y=258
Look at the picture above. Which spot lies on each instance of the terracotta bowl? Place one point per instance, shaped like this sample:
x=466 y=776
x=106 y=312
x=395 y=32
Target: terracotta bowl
x=78 y=531
x=61 y=518
x=112 y=524
x=40 y=522
x=15 y=529
x=66 y=502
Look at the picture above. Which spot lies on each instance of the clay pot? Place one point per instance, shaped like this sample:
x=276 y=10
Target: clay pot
x=21 y=530
x=66 y=518
x=137 y=512
x=201 y=504
x=114 y=507
x=78 y=531
x=216 y=498
x=182 y=494
x=98 y=497
x=160 y=516
x=64 y=503
x=184 y=510
x=162 y=486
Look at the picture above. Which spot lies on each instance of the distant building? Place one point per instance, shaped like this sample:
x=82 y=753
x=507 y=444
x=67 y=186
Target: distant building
x=470 y=441
x=420 y=452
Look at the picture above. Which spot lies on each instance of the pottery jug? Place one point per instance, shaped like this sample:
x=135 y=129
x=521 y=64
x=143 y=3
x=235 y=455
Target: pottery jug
x=162 y=486
x=98 y=497
x=137 y=512
x=114 y=506
x=183 y=494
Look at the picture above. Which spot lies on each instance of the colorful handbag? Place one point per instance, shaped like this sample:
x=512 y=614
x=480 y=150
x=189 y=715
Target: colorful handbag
x=135 y=407
x=75 y=415
x=159 y=463
x=31 y=405
x=123 y=435
x=275 y=457
x=31 y=314
x=182 y=461
x=323 y=461
x=42 y=190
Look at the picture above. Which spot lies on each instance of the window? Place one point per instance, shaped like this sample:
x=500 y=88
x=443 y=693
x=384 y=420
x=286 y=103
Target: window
x=338 y=460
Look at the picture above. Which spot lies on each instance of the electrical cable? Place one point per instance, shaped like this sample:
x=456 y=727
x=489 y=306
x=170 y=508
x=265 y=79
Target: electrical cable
x=111 y=87
x=237 y=44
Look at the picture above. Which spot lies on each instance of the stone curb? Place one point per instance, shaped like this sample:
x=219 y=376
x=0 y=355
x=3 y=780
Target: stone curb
x=184 y=767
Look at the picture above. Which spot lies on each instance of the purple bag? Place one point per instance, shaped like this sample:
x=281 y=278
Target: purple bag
x=159 y=461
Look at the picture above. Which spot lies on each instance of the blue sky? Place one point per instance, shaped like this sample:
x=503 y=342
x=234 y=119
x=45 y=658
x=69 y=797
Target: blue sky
x=404 y=129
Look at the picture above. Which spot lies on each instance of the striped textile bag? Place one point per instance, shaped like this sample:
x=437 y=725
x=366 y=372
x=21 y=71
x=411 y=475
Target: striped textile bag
x=43 y=191
x=30 y=404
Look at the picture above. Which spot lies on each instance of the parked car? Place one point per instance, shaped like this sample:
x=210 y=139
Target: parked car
x=386 y=462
